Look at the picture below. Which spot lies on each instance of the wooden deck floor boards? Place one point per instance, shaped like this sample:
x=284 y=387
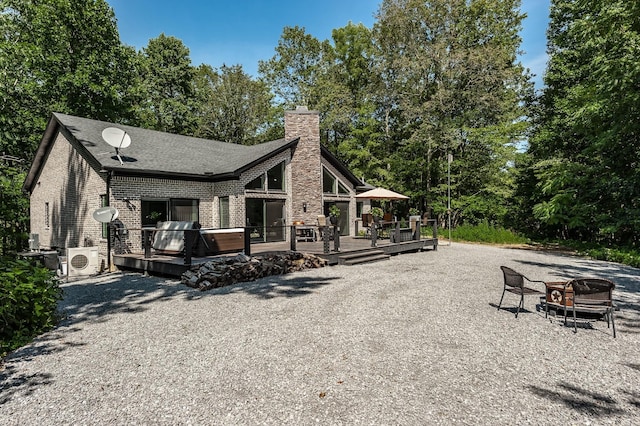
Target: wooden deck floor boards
x=175 y=266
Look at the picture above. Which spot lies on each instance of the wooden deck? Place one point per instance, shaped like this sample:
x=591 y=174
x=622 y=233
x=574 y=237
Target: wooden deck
x=175 y=265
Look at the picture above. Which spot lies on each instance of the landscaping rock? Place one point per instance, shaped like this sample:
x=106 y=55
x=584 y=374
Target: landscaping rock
x=228 y=270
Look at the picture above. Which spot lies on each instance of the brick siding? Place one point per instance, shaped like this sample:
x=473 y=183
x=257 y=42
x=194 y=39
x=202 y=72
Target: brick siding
x=72 y=189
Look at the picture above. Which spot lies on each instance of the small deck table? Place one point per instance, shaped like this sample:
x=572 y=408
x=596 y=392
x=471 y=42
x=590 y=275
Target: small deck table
x=306 y=233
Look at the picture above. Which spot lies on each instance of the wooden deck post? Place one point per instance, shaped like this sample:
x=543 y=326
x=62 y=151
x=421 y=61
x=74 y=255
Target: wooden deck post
x=435 y=234
x=146 y=242
x=189 y=241
x=247 y=241
x=374 y=235
x=294 y=238
x=324 y=231
x=336 y=238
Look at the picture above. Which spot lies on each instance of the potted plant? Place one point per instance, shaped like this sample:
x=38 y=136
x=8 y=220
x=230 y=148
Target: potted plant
x=334 y=214
x=377 y=213
x=414 y=212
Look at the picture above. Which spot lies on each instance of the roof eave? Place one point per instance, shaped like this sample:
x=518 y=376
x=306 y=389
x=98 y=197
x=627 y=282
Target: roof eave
x=340 y=166
x=161 y=174
x=273 y=153
x=41 y=153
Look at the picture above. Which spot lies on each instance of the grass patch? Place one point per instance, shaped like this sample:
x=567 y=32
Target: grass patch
x=484 y=233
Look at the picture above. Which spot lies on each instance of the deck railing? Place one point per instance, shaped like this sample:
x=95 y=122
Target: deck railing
x=327 y=234
x=396 y=232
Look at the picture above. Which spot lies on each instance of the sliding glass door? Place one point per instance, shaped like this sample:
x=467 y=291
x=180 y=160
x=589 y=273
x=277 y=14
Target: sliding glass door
x=266 y=219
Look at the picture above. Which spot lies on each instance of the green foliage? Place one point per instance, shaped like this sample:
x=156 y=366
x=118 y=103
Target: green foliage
x=451 y=84
x=628 y=257
x=485 y=233
x=377 y=212
x=584 y=147
x=14 y=210
x=59 y=55
x=28 y=299
x=234 y=107
x=292 y=73
x=334 y=210
x=624 y=255
x=168 y=98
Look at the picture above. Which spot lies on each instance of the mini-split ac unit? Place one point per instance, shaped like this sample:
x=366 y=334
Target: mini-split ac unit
x=82 y=261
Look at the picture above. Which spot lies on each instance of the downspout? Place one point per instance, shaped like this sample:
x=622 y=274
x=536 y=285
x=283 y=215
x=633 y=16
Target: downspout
x=109 y=172
x=109 y=226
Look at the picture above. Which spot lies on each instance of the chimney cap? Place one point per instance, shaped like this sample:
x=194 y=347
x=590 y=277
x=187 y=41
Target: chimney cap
x=302 y=109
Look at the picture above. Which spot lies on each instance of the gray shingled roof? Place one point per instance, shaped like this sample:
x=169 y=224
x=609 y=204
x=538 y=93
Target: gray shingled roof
x=154 y=153
x=164 y=153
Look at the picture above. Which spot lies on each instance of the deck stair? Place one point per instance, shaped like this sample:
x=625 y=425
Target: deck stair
x=362 y=256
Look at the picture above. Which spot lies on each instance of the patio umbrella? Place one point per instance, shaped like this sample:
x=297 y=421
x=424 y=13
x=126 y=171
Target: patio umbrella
x=382 y=194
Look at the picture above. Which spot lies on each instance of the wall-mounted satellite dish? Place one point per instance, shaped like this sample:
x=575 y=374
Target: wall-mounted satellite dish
x=117 y=138
x=105 y=214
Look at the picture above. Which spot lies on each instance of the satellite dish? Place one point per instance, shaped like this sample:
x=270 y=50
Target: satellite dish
x=105 y=214
x=117 y=138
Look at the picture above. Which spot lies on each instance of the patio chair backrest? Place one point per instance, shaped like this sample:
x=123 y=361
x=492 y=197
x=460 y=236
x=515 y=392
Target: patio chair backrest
x=322 y=220
x=512 y=278
x=592 y=289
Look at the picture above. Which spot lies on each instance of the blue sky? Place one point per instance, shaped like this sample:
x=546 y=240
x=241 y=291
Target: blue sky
x=243 y=32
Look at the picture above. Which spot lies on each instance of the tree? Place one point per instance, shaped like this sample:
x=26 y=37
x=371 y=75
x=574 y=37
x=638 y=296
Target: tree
x=64 y=56
x=336 y=80
x=585 y=143
x=348 y=98
x=235 y=108
x=292 y=73
x=14 y=209
x=451 y=83
x=168 y=103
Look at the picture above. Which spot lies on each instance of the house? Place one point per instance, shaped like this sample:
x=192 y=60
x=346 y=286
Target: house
x=163 y=177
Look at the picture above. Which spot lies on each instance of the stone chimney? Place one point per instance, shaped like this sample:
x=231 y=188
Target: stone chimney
x=306 y=166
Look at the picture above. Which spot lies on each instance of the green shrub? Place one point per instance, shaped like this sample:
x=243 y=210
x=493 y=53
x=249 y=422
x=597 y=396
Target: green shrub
x=625 y=256
x=29 y=295
x=484 y=233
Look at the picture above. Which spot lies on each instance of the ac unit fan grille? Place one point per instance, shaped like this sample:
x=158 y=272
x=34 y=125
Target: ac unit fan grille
x=79 y=261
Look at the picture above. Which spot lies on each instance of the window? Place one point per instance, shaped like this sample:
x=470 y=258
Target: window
x=331 y=184
x=47 y=222
x=184 y=210
x=275 y=177
x=272 y=180
x=154 y=211
x=104 y=202
x=181 y=209
x=328 y=182
x=224 y=212
x=256 y=184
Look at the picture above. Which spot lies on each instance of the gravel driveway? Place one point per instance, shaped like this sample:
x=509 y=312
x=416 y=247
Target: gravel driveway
x=413 y=340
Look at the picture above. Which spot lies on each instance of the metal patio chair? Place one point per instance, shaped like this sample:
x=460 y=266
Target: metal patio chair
x=514 y=282
x=592 y=296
